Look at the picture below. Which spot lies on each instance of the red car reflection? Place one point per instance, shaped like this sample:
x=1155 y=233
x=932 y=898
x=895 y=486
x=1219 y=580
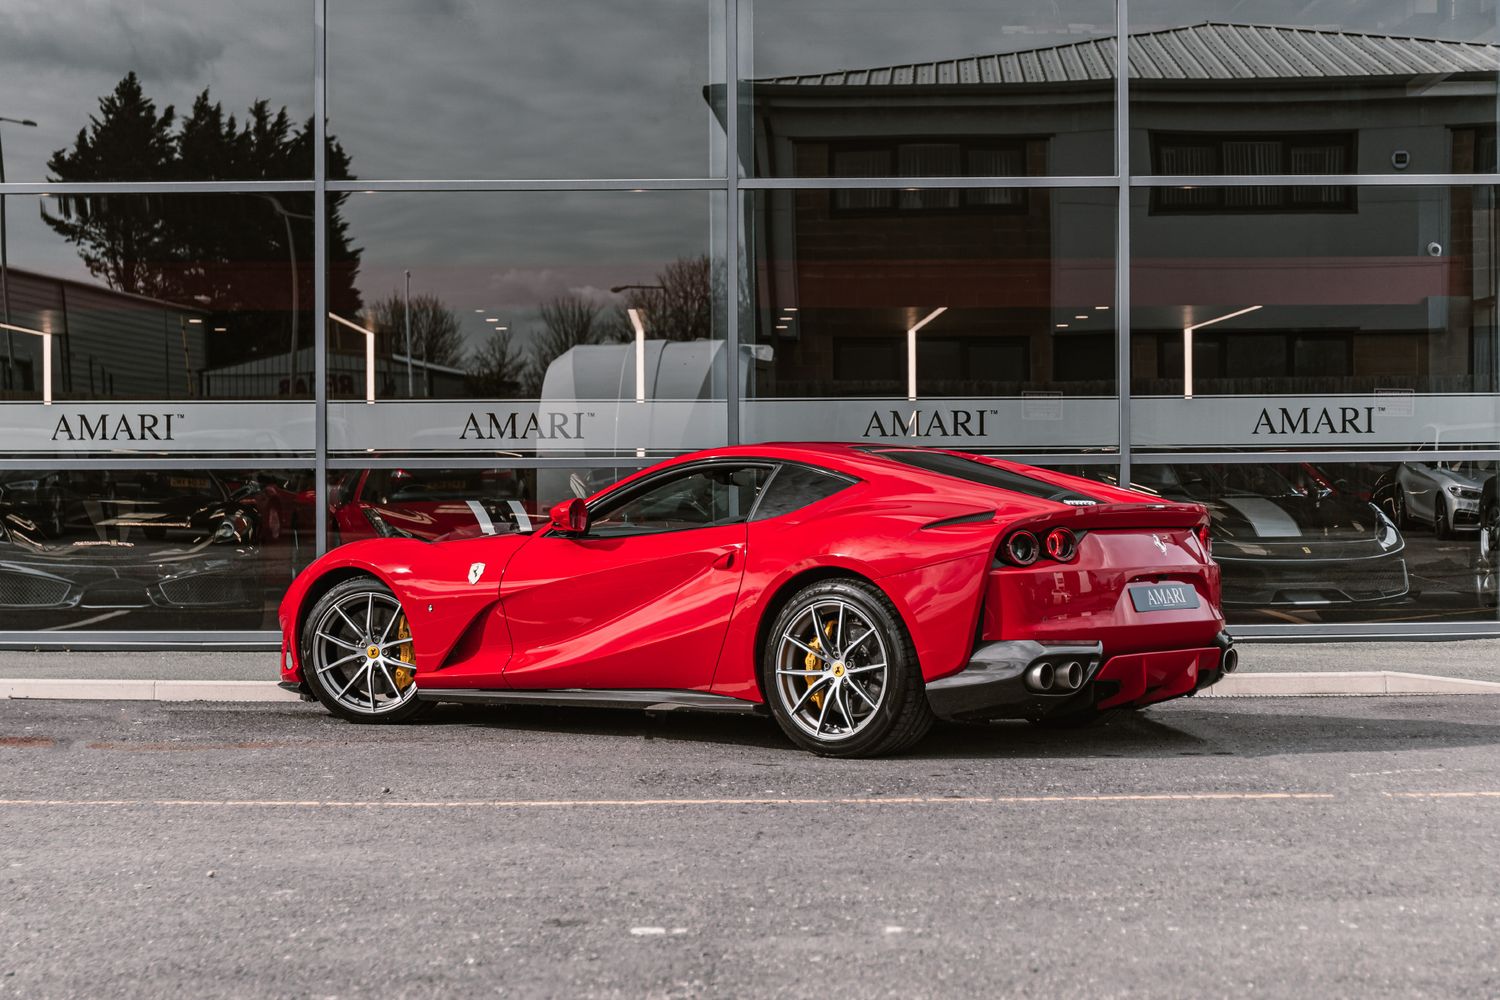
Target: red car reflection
x=858 y=593
x=428 y=504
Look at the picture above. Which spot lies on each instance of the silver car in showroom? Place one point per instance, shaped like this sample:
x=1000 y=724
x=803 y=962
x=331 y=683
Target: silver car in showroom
x=1444 y=495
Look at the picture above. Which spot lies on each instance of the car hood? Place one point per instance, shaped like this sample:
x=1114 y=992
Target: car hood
x=1292 y=520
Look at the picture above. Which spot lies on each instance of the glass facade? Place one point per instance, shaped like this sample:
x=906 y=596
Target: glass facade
x=284 y=274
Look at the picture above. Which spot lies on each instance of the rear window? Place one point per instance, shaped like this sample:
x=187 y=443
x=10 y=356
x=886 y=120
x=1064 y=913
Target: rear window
x=794 y=487
x=986 y=475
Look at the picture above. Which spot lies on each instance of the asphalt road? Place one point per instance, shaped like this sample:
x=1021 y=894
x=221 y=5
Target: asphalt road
x=1475 y=659
x=1270 y=847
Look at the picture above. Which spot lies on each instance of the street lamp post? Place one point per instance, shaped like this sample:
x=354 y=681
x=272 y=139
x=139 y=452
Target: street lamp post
x=1187 y=346
x=409 y=393
x=291 y=251
x=638 y=323
x=5 y=260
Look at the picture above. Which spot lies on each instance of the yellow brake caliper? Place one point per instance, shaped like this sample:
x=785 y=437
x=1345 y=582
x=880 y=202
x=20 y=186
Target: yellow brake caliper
x=810 y=662
x=407 y=672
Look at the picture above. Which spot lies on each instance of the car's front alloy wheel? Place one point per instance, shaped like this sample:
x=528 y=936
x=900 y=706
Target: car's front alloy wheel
x=840 y=672
x=357 y=654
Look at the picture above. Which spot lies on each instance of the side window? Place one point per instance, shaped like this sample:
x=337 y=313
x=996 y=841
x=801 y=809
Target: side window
x=794 y=487
x=701 y=498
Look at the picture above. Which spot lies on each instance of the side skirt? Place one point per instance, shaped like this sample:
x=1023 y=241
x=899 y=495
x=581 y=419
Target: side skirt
x=655 y=701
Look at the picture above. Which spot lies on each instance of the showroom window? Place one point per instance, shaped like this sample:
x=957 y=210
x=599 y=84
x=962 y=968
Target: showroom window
x=261 y=298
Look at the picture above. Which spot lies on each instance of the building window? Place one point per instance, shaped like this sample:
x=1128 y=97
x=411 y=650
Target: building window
x=1189 y=153
x=929 y=158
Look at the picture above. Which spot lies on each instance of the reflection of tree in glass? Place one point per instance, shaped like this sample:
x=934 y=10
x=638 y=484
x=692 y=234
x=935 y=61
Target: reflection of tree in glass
x=497 y=369
x=567 y=322
x=436 y=336
x=229 y=253
x=680 y=303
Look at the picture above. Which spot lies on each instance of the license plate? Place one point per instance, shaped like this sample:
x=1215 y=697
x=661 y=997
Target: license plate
x=1163 y=596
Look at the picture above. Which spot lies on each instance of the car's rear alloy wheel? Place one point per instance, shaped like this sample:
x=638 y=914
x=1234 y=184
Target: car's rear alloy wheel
x=357 y=654
x=1487 y=559
x=840 y=672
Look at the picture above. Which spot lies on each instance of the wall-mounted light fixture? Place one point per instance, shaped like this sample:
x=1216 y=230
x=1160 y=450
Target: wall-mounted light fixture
x=1187 y=346
x=369 y=354
x=911 y=351
x=46 y=356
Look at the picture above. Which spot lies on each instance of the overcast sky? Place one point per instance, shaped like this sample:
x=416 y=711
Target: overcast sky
x=529 y=88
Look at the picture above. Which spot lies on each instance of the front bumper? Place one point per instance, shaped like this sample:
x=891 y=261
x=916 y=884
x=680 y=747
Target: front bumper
x=994 y=683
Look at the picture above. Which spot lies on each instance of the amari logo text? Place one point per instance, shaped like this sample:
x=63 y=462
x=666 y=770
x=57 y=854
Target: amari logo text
x=115 y=427
x=919 y=423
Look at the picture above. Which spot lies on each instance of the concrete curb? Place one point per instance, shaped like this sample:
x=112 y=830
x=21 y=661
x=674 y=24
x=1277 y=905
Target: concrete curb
x=1352 y=682
x=143 y=690
x=1268 y=685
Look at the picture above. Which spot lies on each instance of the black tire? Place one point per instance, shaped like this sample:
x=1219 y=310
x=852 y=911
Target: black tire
x=898 y=715
x=401 y=704
x=1399 y=512
x=1441 y=527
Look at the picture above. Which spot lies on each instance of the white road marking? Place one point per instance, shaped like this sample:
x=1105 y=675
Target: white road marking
x=657 y=803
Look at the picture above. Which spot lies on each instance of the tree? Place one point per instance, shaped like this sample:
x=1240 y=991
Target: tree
x=681 y=305
x=436 y=335
x=567 y=322
x=497 y=369
x=248 y=258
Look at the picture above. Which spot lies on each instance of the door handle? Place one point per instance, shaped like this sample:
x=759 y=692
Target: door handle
x=724 y=559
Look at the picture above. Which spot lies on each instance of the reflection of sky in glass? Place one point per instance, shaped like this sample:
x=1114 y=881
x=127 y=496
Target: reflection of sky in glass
x=1459 y=22
x=506 y=253
x=58 y=59
x=526 y=88
x=820 y=36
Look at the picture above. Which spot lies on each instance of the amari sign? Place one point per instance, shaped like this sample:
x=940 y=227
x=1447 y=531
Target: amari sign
x=1387 y=419
x=65 y=428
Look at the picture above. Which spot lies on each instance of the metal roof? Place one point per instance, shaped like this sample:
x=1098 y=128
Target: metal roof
x=1208 y=51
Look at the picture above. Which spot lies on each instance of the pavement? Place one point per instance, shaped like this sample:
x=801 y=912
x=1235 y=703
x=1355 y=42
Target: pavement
x=1472 y=659
x=1290 y=847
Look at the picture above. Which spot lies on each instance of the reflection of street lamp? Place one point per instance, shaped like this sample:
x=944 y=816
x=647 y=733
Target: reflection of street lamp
x=408 y=335
x=5 y=263
x=291 y=252
x=369 y=354
x=640 y=346
x=911 y=351
x=640 y=338
x=1187 y=346
x=46 y=356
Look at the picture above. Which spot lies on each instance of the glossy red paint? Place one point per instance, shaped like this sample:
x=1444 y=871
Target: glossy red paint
x=686 y=609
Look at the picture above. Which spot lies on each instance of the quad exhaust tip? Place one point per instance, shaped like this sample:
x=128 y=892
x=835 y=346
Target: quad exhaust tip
x=1047 y=676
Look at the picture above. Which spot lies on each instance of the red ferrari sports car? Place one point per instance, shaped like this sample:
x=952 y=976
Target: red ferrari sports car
x=856 y=593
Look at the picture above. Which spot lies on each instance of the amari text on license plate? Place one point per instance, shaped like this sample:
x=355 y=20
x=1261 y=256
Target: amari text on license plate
x=1163 y=596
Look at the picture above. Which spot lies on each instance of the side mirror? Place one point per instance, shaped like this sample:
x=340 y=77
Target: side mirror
x=571 y=517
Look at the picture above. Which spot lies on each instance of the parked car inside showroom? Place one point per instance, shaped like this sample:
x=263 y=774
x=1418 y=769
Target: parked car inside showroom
x=1280 y=543
x=854 y=593
x=167 y=539
x=1442 y=495
x=427 y=503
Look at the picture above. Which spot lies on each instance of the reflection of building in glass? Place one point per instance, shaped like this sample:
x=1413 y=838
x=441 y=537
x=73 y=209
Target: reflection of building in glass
x=106 y=344
x=1361 y=288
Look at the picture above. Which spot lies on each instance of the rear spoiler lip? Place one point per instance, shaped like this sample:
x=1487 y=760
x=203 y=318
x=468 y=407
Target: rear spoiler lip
x=1119 y=515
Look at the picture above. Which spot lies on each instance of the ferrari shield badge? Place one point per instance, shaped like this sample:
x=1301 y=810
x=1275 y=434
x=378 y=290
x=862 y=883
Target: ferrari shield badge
x=476 y=570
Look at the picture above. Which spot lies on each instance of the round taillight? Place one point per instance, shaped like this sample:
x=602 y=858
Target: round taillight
x=1021 y=548
x=1061 y=545
x=1205 y=541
